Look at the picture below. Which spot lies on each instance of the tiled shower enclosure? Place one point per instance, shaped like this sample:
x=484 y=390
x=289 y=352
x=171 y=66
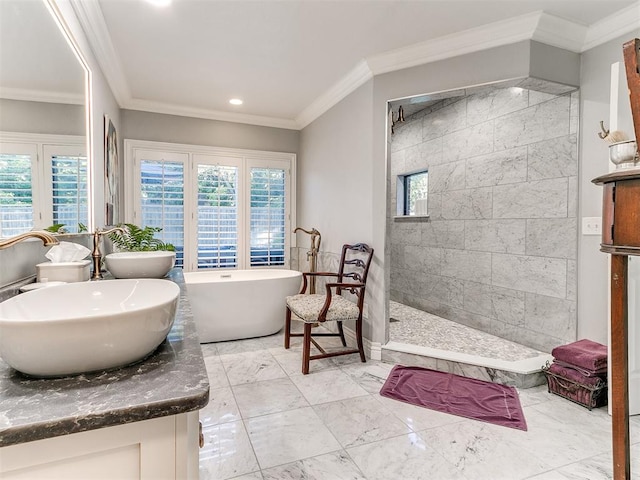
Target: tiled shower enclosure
x=498 y=251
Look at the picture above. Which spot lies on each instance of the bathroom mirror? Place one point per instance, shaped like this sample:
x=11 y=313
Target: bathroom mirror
x=43 y=112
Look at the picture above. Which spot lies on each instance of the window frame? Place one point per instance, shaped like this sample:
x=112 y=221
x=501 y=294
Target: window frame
x=403 y=192
x=193 y=153
x=44 y=146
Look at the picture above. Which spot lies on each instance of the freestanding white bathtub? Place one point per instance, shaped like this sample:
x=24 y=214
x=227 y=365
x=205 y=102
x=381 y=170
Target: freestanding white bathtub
x=235 y=304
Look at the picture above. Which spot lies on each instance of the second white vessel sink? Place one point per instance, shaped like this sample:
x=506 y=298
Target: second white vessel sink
x=154 y=264
x=84 y=327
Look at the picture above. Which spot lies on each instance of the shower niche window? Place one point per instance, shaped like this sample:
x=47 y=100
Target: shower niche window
x=412 y=191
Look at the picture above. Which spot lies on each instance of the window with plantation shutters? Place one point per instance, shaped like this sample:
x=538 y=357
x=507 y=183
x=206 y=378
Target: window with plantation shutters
x=267 y=216
x=162 y=201
x=217 y=216
x=16 y=193
x=236 y=204
x=69 y=194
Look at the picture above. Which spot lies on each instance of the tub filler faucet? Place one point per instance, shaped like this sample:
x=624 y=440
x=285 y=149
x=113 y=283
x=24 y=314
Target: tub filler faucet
x=312 y=254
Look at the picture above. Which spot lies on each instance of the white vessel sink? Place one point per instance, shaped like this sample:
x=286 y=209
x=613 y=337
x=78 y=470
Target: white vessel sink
x=84 y=327
x=140 y=264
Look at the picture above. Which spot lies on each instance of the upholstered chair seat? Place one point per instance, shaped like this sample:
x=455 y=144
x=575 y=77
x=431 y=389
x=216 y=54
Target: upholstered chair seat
x=308 y=307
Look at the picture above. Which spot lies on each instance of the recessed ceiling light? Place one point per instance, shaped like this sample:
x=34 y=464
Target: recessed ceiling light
x=159 y=3
x=235 y=101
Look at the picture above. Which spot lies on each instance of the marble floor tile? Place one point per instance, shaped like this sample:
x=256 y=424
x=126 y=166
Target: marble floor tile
x=370 y=376
x=559 y=442
x=332 y=466
x=239 y=346
x=291 y=362
x=404 y=457
x=249 y=476
x=212 y=359
x=222 y=408
x=250 y=367
x=262 y=398
x=227 y=452
x=332 y=424
x=209 y=349
x=360 y=420
x=327 y=386
x=482 y=451
x=288 y=436
x=217 y=375
x=534 y=396
x=595 y=468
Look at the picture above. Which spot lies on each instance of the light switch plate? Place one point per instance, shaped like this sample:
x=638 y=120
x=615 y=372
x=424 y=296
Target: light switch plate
x=591 y=226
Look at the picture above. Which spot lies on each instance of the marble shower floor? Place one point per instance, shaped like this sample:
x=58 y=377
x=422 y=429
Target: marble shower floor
x=267 y=421
x=413 y=327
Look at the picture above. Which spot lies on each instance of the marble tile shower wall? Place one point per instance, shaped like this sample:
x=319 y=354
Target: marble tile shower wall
x=499 y=250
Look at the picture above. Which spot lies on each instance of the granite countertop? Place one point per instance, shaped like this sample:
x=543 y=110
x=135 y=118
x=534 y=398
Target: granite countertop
x=170 y=381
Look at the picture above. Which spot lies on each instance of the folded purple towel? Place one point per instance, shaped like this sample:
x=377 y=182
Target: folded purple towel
x=583 y=353
x=601 y=372
x=577 y=377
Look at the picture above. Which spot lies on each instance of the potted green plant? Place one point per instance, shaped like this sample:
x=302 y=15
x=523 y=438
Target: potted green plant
x=133 y=238
x=139 y=254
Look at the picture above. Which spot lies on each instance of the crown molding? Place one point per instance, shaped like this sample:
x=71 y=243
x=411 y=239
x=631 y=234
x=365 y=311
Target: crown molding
x=358 y=76
x=183 y=111
x=538 y=26
x=558 y=32
x=95 y=28
x=475 y=39
x=621 y=22
x=41 y=96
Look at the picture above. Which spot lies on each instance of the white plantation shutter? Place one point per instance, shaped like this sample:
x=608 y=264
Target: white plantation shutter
x=16 y=194
x=217 y=216
x=267 y=216
x=162 y=201
x=69 y=191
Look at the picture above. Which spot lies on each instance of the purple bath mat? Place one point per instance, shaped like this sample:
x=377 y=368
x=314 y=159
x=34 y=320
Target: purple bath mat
x=462 y=396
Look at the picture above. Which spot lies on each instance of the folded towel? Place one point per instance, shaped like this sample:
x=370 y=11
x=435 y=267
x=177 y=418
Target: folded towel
x=577 y=377
x=601 y=372
x=584 y=353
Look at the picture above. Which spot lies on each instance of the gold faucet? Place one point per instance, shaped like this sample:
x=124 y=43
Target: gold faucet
x=46 y=238
x=96 y=256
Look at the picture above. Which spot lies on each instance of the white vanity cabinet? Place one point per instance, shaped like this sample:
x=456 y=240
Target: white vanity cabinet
x=156 y=449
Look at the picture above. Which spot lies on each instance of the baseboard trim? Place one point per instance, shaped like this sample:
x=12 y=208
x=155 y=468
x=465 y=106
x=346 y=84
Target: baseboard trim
x=373 y=350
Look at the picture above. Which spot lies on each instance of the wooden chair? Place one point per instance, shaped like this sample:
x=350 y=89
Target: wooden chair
x=331 y=307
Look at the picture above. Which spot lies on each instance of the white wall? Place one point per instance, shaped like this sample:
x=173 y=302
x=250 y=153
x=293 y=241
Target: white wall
x=593 y=276
x=334 y=187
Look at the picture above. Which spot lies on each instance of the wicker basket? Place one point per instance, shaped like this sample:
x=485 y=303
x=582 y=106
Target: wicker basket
x=586 y=395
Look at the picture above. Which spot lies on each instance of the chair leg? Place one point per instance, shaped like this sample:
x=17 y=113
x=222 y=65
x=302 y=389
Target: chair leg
x=287 y=329
x=341 y=332
x=306 y=348
x=363 y=359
